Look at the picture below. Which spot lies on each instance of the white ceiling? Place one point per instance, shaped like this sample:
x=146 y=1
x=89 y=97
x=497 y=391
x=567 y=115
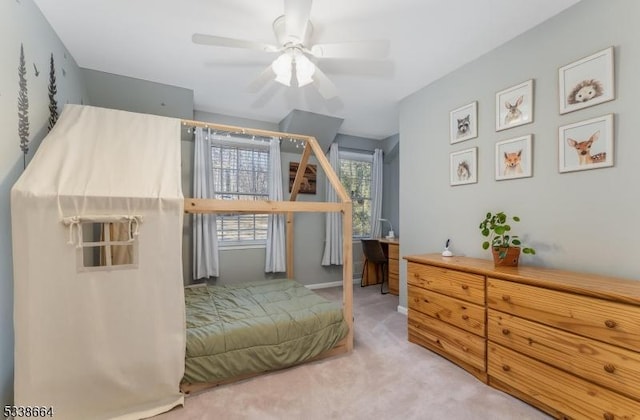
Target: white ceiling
x=151 y=40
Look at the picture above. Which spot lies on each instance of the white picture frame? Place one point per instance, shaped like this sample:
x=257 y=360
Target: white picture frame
x=514 y=106
x=463 y=123
x=586 y=82
x=586 y=144
x=463 y=167
x=514 y=158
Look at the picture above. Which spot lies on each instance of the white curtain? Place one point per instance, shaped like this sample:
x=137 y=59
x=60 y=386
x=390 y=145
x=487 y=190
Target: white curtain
x=205 y=237
x=275 y=261
x=333 y=230
x=376 y=194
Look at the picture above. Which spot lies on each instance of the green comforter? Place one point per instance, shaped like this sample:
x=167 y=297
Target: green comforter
x=255 y=327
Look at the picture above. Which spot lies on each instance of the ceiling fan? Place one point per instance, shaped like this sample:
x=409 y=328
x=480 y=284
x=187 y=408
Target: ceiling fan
x=297 y=60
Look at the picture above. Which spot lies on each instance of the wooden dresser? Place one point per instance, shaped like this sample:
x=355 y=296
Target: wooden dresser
x=567 y=343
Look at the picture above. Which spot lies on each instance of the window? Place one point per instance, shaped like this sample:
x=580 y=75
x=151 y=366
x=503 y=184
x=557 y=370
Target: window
x=241 y=173
x=355 y=175
x=107 y=244
x=104 y=242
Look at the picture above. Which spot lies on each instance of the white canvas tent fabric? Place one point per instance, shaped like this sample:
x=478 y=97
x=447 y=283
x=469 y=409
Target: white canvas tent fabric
x=109 y=343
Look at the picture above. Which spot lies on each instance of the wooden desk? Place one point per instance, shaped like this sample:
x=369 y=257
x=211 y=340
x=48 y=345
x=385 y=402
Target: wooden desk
x=391 y=249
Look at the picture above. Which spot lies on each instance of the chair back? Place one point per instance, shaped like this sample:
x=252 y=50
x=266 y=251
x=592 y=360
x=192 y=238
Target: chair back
x=373 y=251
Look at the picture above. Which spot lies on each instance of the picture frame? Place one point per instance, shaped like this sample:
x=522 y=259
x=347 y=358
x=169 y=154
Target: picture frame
x=463 y=123
x=586 y=144
x=514 y=158
x=586 y=82
x=463 y=168
x=308 y=185
x=514 y=106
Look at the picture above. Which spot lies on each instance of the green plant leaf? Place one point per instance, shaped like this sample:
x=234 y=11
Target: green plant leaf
x=516 y=218
x=499 y=230
x=485 y=245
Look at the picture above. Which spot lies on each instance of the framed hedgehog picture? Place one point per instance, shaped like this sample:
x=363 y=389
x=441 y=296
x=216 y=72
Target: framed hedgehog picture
x=463 y=167
x=587 y=82
x=463 y=123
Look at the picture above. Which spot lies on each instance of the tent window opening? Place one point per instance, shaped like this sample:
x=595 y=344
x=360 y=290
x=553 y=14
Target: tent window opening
x=107 y=244
x=104 y=242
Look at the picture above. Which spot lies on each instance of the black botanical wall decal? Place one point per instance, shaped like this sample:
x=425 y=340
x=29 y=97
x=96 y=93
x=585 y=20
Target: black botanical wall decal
x=23 y=107
x=35 y=69
x=53 y=104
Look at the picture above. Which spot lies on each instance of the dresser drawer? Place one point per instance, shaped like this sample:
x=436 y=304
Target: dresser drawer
x=611 y=366
x=394 y=251
x=611 y=322
x=469 y=287
x=447 y=340
x=553 y=388
x=453 y=311
x=394 y=267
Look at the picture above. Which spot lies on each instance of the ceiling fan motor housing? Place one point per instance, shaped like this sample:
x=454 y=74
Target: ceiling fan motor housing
x=285 y=39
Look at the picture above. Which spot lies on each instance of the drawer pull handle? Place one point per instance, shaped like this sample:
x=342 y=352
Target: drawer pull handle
x=609 y=368
x=506 y=368
x=608 y=416
x=505 y=331
x=465 y=317
x=610 y=323
x=506 y=298
x=465 y=287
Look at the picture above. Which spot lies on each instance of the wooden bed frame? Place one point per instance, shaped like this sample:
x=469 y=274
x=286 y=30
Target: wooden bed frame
x=193 y=205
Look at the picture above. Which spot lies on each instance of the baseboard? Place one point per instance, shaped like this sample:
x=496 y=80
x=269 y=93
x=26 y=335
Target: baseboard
x=403 y=310
x=329 y=284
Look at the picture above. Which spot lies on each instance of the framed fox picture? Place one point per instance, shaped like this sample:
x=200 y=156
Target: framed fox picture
x=514 y=158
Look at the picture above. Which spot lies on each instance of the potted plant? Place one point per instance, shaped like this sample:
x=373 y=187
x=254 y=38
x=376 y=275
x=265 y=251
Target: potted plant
x=504 y=245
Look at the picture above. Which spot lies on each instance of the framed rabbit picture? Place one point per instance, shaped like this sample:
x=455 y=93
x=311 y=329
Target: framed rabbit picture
x=514 y=106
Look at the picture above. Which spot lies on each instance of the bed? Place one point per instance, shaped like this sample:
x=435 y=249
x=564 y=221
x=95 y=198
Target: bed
x=239 y=330
x=293 y=341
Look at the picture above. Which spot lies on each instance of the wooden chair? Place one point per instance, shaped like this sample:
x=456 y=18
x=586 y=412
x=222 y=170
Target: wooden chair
x=374 y=254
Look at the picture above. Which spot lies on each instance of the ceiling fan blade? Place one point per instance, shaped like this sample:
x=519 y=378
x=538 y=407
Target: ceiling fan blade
x=361 y=49
x=261 y=81
x=296 y=13
x=325 y=86
x=220 y=41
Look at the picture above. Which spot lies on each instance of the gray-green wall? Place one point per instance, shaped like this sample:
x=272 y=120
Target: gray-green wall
x=585 y=221
x=114 y=91
x=22 y=22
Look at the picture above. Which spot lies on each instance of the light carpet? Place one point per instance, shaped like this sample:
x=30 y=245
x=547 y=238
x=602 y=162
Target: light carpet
x=385 y=377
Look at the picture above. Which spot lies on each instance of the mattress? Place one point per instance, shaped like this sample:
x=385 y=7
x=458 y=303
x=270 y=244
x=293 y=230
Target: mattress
x=255 y=327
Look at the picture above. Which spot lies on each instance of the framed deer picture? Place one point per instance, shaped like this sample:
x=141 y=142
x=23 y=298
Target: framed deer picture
x=586 y=144
x=514 y=106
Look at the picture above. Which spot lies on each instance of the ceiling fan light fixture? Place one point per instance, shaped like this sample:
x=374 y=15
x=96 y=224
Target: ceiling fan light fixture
x=304 y=70
x=282 y=68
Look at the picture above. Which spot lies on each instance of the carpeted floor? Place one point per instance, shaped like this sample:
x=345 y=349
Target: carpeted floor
x=385 y=377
